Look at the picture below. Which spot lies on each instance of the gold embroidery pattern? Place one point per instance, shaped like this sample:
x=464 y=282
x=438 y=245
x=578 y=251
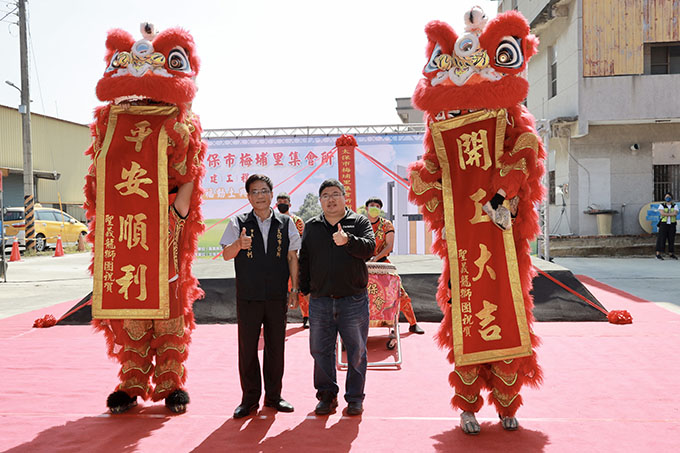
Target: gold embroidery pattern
x=173 y=326
x=526 y=140
x=508 y=379
x=179 y=226
x=130 y=365
x=168 y=346
x=137 y=328
x=419 y=186
x=138 y=351
x=165 y=386
x=279 y=238
x=134 y=383
x=470 y=399
x=519 y=165
x=432 y=204
x=468 y=377
x=170 y=366
x=432 y=167
x=503 y=399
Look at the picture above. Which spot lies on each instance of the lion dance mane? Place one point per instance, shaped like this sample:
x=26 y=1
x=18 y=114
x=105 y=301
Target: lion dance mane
x=483 y=69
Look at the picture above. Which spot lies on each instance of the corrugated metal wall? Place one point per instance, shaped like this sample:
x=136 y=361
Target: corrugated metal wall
x=56 y=145
x=615 y=31
x=661 y=20
x=612 y=37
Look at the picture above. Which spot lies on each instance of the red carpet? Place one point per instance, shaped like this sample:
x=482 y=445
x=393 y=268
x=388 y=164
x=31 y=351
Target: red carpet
x=607 y=388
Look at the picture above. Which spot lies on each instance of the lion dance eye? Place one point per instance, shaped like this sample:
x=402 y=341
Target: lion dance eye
x=119 y=60
x=178 y=61
x=509 y=53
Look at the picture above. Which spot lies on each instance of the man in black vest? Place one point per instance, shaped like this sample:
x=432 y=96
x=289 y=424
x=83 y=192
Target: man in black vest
x=264 y=246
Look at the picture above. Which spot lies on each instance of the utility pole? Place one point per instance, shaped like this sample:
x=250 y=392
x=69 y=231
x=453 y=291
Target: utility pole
x=25 y=110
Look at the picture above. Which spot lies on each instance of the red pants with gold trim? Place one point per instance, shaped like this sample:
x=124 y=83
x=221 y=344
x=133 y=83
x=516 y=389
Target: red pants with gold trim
x=502 y=379
x=155 y=349
x=405 y=305
x=151 y=350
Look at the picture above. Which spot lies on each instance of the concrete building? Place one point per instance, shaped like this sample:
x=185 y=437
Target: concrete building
x=59 y=163
x=606 y=81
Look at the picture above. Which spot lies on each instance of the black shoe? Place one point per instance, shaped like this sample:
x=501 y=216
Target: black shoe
x=177 y=401
x=244 y=409
x=326 y=406
x=355 y=408
x=415 y=328
x=119 y=402
x=659 y=257
x=305 y=322
x=673 y=257
x=281 y=405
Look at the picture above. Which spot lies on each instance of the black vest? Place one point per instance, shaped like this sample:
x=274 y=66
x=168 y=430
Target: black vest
x=261 y=276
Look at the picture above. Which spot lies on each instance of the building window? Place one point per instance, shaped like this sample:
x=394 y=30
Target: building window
x=666 y=179
x=552 y=72
x=551 y=187
x=664 y=59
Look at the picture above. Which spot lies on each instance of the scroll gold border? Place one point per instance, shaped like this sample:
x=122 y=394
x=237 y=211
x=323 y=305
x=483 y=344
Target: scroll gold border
x=163 y=312
x=449 y=214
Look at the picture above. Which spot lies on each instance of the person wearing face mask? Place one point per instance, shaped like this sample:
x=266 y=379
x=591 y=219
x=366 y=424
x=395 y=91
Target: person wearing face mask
x=283 y=205
x=384 y=243
x=667 y=227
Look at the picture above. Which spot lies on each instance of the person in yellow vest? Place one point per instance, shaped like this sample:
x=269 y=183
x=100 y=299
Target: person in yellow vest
x=384 y=243
x=667 y=227
x=283 y=205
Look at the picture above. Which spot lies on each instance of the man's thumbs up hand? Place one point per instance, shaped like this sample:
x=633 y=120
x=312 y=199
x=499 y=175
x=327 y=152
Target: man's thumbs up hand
x=340 y=237
x=245 y=241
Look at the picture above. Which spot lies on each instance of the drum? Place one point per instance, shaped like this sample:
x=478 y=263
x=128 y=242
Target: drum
x=383 y=294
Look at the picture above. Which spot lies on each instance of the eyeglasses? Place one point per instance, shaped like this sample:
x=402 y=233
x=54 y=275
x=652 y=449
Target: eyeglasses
x=326 y=196
x=256 y=192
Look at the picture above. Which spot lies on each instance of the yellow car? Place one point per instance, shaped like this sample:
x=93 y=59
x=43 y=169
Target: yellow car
x=49 y=224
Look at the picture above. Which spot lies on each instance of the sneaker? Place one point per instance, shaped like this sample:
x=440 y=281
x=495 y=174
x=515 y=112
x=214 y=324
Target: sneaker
x=305 y=322
x=659 y=257
x=673 y=257
x=415 y=328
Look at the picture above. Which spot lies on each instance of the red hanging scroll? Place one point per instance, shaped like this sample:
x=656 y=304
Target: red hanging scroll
x=346 y=174
x=488 y=318
x=131 y=234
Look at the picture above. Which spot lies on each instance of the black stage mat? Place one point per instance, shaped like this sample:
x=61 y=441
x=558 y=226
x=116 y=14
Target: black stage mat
x=551 y=302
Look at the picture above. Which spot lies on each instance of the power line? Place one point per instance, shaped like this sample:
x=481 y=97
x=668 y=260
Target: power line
x=3 y=17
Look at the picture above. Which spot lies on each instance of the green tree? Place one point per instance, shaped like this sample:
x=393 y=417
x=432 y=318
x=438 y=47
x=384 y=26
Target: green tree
x=310 y=207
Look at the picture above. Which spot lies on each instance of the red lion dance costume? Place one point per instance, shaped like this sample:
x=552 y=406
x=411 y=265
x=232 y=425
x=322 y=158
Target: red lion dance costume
x=478 y=183
x=143 y=195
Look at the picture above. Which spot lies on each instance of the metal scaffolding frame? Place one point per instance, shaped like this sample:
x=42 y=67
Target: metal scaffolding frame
x=315 y=131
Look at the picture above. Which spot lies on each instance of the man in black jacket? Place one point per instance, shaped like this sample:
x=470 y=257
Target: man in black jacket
x=264 y=244
x=335 y=246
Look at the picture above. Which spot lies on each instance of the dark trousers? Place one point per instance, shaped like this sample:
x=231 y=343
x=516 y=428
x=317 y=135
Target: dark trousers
x=252 y=316
x=666 y=233
x=348 y=316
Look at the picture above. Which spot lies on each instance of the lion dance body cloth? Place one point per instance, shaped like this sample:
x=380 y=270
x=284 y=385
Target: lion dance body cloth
x=143 y=195
x=478 y=183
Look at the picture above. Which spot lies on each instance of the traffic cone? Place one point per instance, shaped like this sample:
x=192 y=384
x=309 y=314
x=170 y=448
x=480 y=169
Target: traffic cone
x=59 y=250
x=15 y=256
